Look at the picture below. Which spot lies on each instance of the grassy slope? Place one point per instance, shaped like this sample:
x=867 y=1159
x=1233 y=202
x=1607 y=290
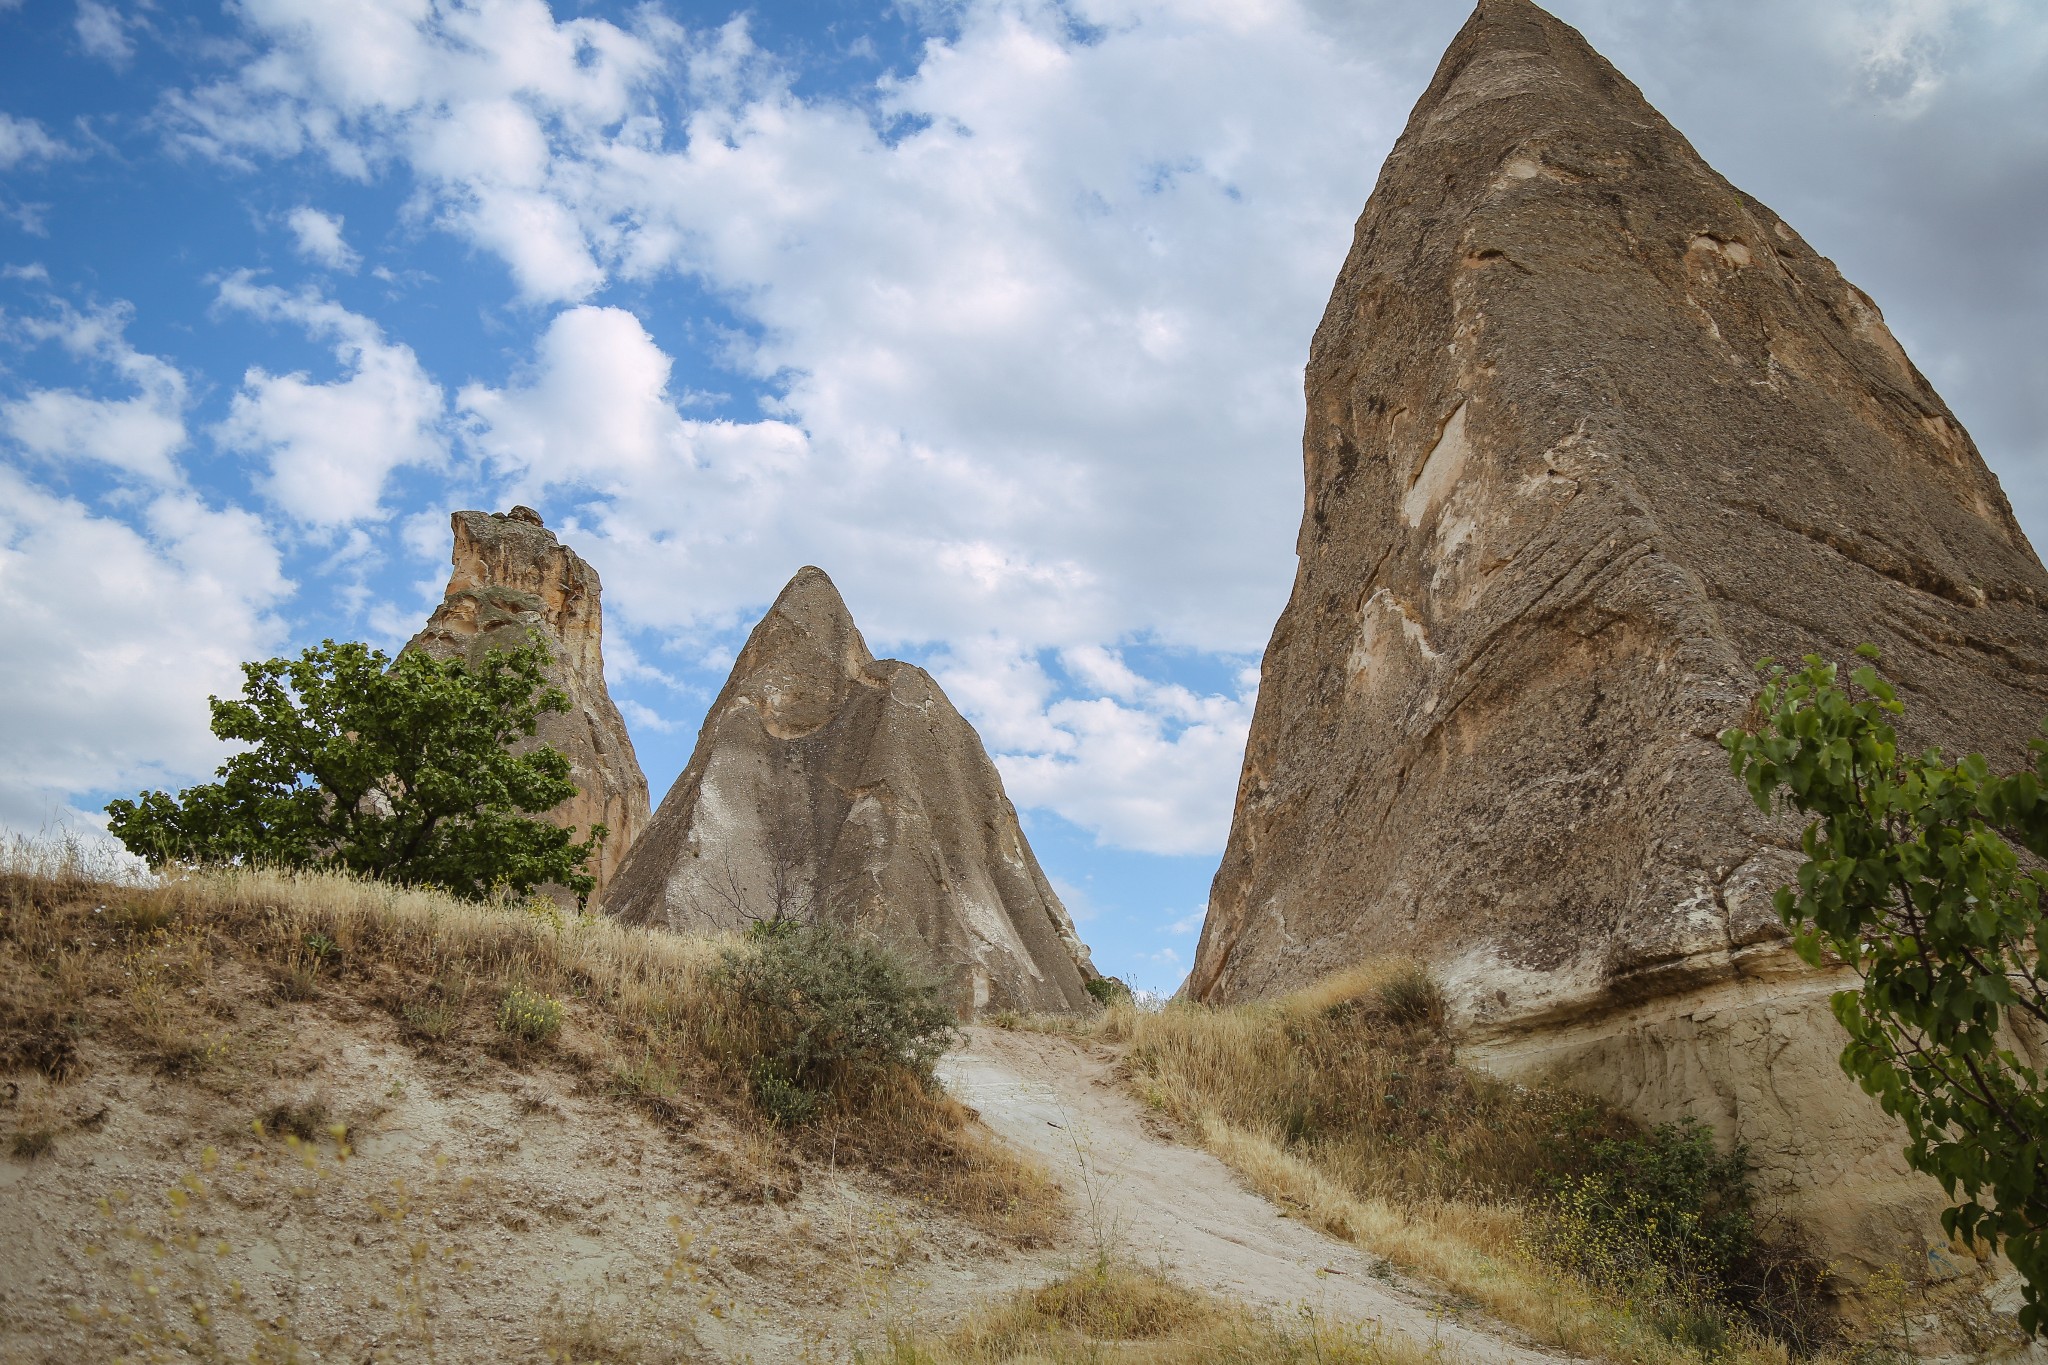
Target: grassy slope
x=1344 y=1103
x=145 y=1032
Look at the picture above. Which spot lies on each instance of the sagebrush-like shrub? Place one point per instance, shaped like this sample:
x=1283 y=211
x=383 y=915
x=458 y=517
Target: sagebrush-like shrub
x=824 y=1013
x=529 y=1016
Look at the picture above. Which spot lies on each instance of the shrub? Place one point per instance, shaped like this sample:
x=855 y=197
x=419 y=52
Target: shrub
x=1107 y=990
x=529 y=1016
x=824 y=1015
x=1665 y=1193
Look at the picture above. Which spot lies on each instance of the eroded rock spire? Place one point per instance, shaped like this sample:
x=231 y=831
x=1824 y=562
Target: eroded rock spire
x=828 y=784
x=512 y=577
x=1589 y=432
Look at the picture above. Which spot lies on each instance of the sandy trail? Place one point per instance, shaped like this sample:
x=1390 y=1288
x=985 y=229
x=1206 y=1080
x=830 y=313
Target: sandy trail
x=1183 y=1210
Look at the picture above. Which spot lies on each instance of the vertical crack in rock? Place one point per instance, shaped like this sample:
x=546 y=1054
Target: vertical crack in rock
x=828 y=784
x=513 y=577
x=1589 y=432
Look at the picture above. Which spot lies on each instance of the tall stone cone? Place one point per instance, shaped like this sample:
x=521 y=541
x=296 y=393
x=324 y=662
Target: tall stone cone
x=513 y=577
x=1589 y=433
x=828 y=784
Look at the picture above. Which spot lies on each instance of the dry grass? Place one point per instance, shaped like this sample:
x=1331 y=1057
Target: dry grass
x=1115 y=1314
x=1344 y=1103
x=164 y=970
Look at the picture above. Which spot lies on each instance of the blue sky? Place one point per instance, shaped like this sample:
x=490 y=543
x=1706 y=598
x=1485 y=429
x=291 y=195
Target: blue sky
x=995 y=309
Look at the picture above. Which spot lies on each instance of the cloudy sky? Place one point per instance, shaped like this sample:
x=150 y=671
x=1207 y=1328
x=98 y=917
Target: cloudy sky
x=995 y=309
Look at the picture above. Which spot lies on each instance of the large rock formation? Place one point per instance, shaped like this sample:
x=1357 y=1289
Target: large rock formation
x=513 y=578
x=830 y=784
x=1589 y=432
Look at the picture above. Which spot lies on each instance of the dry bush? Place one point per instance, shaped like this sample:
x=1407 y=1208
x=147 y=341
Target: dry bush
x=1117 y=1314
x=641 y=1012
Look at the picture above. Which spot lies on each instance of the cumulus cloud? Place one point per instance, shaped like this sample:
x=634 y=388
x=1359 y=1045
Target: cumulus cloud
x=330 y=447
x=1146 y=765
x=116 y=635
x=138 y=434
x=317 y=236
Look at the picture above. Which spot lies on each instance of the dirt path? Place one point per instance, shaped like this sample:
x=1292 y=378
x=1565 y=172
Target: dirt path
x=1180 y=1208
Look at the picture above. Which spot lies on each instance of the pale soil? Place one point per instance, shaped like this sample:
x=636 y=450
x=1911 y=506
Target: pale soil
x=1144 y=1196
x=544 y=1207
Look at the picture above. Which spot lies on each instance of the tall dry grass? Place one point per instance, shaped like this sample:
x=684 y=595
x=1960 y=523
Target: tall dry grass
x=163 y=967
x=1344 y=1102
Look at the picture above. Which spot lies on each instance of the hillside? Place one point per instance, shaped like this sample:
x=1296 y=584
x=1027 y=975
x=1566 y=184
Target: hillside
x=251 y=1116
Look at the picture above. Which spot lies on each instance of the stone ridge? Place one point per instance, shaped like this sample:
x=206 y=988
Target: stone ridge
x=829 y=784
x=1589 y=432
x=511 y=577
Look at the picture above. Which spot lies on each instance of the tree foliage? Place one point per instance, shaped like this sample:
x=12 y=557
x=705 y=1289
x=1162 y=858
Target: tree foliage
x=1912 y=877
x=394 y=769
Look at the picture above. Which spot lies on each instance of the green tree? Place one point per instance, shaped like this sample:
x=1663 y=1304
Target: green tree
x=394 y=769
x=1911 y=877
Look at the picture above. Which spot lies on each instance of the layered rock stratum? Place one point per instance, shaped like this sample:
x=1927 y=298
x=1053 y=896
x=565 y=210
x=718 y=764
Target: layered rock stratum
x=514 y=580
x=1590 y=432
x=829 y=784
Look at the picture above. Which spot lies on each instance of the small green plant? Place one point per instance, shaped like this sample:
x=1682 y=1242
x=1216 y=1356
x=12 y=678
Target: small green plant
x=144 y=916
x=529 y=1016
x=433 y=1020
x=826 y=1014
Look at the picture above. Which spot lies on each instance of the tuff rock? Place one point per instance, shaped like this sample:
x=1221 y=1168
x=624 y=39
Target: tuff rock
x=829 y=784
x=1589 y=433
x=513 y=579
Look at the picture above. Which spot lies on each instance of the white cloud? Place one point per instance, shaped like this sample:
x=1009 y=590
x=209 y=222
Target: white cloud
x=24 y=142
x=138 y=434
x=318 y=238
x=103 y=33
x=331 y=447
x=1151 y=766
x=116 y=635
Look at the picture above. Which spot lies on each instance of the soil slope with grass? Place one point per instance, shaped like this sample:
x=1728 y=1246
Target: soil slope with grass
x=255 y=1117
x=328 y=1120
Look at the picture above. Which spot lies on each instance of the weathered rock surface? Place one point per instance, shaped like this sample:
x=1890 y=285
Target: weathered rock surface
x=513 y=577
x=1589 y=432
x=830 y=784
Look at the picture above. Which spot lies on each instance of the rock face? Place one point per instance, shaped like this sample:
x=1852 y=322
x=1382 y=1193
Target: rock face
x=511 y=577
x=830 y=784
x=1589 y=432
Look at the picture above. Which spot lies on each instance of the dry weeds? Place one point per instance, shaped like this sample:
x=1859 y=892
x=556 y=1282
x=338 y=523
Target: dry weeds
x=1343 y=1102
x=1110 y=1313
